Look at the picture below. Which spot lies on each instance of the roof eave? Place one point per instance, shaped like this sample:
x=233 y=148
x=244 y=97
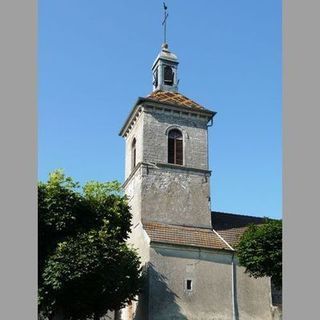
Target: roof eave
x=141 y=100
x=191 y=246
x=197 y=110
x=123 y=128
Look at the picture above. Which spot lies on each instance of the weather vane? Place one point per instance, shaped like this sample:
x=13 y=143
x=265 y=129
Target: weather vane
x=164 y=22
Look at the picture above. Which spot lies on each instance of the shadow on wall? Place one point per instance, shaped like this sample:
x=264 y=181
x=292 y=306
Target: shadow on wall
x=141 y=312
x=163 y=302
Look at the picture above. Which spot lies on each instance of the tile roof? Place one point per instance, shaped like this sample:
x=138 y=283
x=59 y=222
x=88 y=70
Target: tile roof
x=187 y=236
x=175 y=98
x=231 y=226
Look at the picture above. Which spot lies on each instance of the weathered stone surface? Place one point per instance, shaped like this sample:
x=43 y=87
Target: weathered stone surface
x=169 y=194
x=171 y=267
x=135 y=133
x=155 y=139
x=211 y=294
x=174 y=196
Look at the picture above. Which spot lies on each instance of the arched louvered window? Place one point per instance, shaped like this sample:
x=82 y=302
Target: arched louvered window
x=168 y=76
x=133 y=154
x=175 y=147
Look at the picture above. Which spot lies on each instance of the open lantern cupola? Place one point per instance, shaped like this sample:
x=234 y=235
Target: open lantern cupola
x=164 y=71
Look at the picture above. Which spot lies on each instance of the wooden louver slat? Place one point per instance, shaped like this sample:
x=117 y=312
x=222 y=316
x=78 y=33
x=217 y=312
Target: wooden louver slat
x=178 y=153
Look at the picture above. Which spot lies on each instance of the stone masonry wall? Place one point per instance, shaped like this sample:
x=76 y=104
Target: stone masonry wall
x=170 y=194
x=137 y=133
x=210 y=297
x=211 y=294
x=194 y=130
x=139 y=240
x=175 y=196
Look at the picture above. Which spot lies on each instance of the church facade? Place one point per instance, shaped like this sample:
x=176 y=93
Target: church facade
x=187 y=251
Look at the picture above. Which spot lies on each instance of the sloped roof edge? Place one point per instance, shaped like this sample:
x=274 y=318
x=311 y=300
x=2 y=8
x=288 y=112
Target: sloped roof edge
x=185 y=236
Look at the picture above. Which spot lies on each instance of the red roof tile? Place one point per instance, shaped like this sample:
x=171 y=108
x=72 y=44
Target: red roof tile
x=187 y=236
x=174 y=98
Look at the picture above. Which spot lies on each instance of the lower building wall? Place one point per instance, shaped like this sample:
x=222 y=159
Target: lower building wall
x=253 y=296
x=211 y=294
x=171 y=267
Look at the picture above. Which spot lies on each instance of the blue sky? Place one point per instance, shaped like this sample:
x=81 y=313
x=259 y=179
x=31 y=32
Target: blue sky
x=94 y=60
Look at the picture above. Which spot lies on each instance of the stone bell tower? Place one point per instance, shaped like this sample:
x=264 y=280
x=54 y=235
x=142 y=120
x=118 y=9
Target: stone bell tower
x=191 y=270
x=166 y=135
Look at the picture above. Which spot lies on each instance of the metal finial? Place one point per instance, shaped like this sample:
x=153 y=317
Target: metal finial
x=164 y=23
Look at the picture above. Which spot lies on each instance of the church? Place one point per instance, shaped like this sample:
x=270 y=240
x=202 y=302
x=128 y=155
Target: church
x=187 y=251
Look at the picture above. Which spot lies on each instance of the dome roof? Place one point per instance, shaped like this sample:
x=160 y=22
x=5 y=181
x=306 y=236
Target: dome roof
x=165 y=54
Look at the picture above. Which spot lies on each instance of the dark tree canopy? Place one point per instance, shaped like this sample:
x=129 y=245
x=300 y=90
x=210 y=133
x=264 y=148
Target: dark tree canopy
x=260 y=251
x=85 y=267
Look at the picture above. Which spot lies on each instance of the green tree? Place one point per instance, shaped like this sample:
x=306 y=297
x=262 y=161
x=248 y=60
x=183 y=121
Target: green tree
x=260 y=251
x=85 y=267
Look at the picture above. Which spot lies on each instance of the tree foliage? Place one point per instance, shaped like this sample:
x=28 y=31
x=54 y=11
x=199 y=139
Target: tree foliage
x=260 y=251
x=84 y=265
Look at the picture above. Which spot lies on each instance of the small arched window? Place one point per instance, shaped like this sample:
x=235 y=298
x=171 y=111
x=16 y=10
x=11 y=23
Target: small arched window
x=175 y=147
x=168 y=76
x=133 y=154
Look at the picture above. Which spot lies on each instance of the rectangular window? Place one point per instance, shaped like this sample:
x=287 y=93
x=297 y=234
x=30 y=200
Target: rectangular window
x=189 y=285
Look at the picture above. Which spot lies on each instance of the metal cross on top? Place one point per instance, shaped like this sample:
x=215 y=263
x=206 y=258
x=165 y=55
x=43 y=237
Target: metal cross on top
x=164 y=22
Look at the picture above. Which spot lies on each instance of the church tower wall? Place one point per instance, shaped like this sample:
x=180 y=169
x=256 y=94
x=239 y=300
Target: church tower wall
x=164 y=197
x=157 y=125
x=136 y=133
x=175 y=194
x=161 y=191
